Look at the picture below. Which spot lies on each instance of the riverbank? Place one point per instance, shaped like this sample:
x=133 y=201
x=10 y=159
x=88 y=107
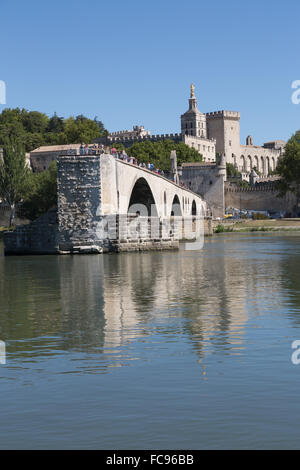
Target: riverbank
x=268 y=225
x=2 y=230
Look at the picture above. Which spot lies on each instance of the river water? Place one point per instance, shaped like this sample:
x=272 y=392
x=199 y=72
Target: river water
x=176 y=350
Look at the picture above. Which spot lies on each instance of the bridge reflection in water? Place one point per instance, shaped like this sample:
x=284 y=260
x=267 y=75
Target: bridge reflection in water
x=105 y=304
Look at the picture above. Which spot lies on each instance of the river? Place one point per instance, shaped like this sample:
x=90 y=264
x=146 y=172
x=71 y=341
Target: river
x=176 y=350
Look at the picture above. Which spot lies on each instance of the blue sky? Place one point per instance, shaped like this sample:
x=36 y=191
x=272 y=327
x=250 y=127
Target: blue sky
x=132 y=62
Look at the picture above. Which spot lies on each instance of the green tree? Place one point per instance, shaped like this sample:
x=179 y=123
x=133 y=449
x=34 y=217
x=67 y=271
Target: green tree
x=35 y=122
x=56 y=124
x=289 y=167
x=159 y=153
x=231 y=171
x=35 y=129
x=13 y=174
x=40 y=194
x=81 y=129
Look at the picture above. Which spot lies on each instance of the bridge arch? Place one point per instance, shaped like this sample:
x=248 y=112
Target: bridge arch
x=142 y=195
x=176 y=208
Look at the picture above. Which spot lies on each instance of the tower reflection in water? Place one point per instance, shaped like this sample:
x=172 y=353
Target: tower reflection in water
x=106 y=304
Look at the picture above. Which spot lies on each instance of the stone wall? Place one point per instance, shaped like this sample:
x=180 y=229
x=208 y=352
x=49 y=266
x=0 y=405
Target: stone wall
x=207 y=147
x=207 y=180
x=79 y=200
x=128 y=141
x=38 y=237
x=260 y=198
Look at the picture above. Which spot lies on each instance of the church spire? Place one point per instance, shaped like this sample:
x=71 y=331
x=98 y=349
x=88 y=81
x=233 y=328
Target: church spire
x=192 y=90
x=192 y=100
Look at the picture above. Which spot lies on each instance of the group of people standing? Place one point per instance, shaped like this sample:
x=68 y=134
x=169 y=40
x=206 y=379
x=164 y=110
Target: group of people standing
x=98 y=149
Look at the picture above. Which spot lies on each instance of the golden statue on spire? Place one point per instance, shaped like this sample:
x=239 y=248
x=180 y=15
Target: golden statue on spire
x=192 y=91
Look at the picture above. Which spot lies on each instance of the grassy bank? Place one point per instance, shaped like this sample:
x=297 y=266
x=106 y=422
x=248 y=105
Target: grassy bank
x=268 y=225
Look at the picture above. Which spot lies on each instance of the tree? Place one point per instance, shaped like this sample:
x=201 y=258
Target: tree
x=159 y=153
x=40 y=194
x=289 y=167
x=35 y=122
x=35 y=129
x=13 y=174
x=231 y=171
x=56 y=124
x=81 y=129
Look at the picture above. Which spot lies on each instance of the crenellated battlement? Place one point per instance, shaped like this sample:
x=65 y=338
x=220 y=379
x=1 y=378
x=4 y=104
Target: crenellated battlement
x=129 y=140
x=262 y=186
x=223 y=114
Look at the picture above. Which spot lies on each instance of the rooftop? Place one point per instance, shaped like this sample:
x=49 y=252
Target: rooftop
x=55 y=148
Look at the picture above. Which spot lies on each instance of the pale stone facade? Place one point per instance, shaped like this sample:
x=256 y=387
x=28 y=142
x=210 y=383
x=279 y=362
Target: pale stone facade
x=137 y=131
x=224 y=126
x=219 y=132
x=41 y=157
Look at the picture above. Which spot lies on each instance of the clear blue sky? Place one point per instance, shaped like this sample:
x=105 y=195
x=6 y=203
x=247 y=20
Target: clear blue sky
x=132 y=62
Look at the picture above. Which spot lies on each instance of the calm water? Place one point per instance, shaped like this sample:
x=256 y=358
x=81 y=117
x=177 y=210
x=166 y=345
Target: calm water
x=173 y=350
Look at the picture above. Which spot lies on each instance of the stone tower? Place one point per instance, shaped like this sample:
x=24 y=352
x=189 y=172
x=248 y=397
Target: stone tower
x=193 y=122
x=224 y=126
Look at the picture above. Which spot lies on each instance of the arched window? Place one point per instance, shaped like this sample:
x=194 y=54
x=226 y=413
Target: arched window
x=194 y=208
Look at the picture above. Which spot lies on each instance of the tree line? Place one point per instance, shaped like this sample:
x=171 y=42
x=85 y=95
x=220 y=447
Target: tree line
x=35 y=129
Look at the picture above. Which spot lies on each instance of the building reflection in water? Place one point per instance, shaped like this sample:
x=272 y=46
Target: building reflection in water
x=102 y=304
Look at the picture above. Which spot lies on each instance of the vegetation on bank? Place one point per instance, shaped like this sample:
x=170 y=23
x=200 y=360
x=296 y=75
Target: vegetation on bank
x=40 y=193
x=14 y=174
x=267 y=225
x=36 y=191
x=221 y=229
x=35 y=129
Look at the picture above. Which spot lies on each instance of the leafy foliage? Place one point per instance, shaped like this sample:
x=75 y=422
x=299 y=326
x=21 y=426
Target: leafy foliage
x=232 y=172
x=289 y=167
x=13 y=173
x=35 y=129
x=159 y=153
x=40 y=193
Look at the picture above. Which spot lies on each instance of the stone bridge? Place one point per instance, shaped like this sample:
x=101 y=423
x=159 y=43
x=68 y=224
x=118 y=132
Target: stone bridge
x=100 y=196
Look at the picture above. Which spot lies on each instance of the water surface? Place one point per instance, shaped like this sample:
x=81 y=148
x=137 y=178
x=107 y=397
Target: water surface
x=172 y=350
